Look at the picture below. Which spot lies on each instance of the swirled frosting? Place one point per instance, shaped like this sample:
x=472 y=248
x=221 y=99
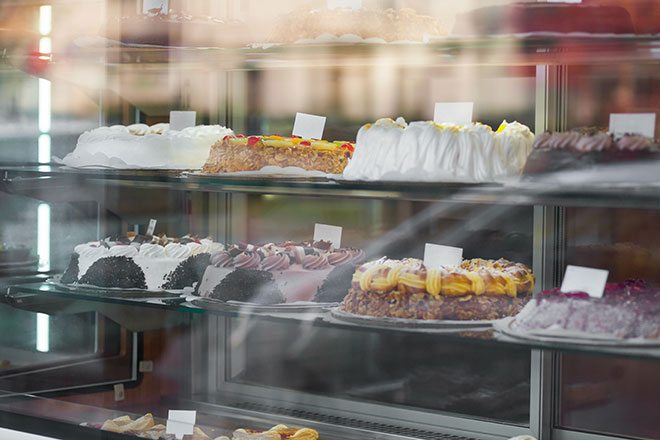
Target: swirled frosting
x=247 y=260
x=123 y=251
x=276 y=262
x=177 y=250
x=152 y=250
x=590 y=141
x=222 y=259
x=315 y=262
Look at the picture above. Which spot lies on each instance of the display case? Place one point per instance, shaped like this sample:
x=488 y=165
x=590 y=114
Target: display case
x=221 y=290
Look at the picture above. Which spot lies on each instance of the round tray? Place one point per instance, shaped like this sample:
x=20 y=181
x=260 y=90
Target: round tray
x=237 y=306
x=504 y=326
x=384 y=321
x=114 y=292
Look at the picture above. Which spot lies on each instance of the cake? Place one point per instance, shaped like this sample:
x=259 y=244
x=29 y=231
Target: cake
x=241 y=153
x=386 y=25
x=586 y=148
x=426 y=151
x=630 y=309
x=276 y=273
x=524 y=17
x=141 y=262
x=279 y=432
x=477 y=290
x=144 y=427
x=141 y=146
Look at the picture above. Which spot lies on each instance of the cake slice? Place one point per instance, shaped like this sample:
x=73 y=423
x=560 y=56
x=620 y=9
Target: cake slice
x=241 y=153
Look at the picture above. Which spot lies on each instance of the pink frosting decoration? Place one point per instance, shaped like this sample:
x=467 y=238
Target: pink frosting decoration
x=315 y=262
x=633 y=142
x=247 y=260
x=298 y=252
x=340 y=257
x=222 y=259
x=275 y=262
x=359 y=256
x=596 y=142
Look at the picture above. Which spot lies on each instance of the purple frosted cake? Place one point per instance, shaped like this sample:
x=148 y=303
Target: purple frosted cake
x=627 y=310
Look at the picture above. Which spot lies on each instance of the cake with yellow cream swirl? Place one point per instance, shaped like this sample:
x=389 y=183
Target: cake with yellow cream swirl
x=476 y=290
x=241 y=153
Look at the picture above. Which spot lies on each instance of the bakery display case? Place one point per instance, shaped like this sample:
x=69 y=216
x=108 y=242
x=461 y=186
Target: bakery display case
x=402 y=219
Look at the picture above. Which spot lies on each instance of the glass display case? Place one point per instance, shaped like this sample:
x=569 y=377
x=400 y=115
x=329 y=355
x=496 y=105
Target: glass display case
x=147 y=268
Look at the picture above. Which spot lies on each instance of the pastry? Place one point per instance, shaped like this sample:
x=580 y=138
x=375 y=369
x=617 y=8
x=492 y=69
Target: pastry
x=585 y=149
x=523 y=17
x=145 y=427
x=141 y=146
x=241 y=153
x=627 y=310
x=476 y=290
x=274 y=273
x=141 y=262
x=388 y=25
x=425 y=151
x=279 y=432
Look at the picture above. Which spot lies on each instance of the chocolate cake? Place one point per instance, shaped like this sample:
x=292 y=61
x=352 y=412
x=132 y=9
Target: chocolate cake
x=115 y=272
x=70 y=275
x=188 y=273
x=249 y=285
x=336 y=285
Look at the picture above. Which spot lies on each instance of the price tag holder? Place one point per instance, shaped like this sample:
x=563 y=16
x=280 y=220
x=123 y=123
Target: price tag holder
x=309 y=126
x=152 y=226
x=585 y=279
x=353 y=4
x=633 y=123
x=155 y=7
x=180 y=120
x=437 y=256
x=328 y=233
x=180 y=423
x=459 y=113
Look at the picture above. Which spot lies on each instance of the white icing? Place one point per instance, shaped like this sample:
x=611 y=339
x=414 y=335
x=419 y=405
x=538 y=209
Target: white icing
x=425 y=151
x=117 y=147
x=123 y=251
x=199 y=248
x=177 y=250
x=149 y=250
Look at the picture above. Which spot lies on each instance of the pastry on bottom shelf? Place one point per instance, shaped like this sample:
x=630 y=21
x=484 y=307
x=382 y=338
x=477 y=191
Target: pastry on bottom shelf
x=587 y=148
x=627 y=310
x=145 y=427
x=240 y=153
x=477 y=290
x=279 y=432
x=276 y=273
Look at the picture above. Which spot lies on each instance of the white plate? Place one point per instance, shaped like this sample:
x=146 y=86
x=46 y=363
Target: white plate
x=504 y=326
x=385 y=321
x=235 y=306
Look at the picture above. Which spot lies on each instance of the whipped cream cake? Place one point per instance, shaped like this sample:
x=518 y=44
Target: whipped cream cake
x=585 y=148
x=275 y=273
x=426 y=151
x=141 y=262
x=142 y=146
x=630 y=309
x=476 y=290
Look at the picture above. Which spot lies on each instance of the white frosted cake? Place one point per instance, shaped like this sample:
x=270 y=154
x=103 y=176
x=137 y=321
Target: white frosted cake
x=141 y=146
x=141 y=262
x=275 y=273
x=426 y=151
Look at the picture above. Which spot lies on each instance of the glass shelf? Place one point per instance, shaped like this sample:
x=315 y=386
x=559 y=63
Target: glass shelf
x=43 y=182
x=149 y=313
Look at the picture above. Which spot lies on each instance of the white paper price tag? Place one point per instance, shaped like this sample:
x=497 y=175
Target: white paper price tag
x=180 y=423
x=585 y=279
x=328 y=233
x=152 y=226
x=155 y=7
x=180 y=120
x=353 y=4
x=459 y=113
x=633 y=123
x=119 y=392
x=309 y=126
x=436 y=256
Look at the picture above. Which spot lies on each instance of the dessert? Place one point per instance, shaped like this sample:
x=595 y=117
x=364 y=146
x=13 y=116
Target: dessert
x=426 y=151
x=141 y=262
x=145 y=427
x=586 y=148
x=141 y=146
x=477 y=290
x=523 y=17
x=241 y=153
x=279 y=432
x=627 y=310
x=275 y=273
x=388 y=25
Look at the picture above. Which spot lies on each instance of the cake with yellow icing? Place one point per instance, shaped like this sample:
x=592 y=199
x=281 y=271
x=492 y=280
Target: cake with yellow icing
x=476 y=290
x=242 y=153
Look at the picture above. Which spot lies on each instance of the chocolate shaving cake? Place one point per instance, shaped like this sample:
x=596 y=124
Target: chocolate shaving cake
x=115 y=272
x=188 y=273
x=249 y=285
